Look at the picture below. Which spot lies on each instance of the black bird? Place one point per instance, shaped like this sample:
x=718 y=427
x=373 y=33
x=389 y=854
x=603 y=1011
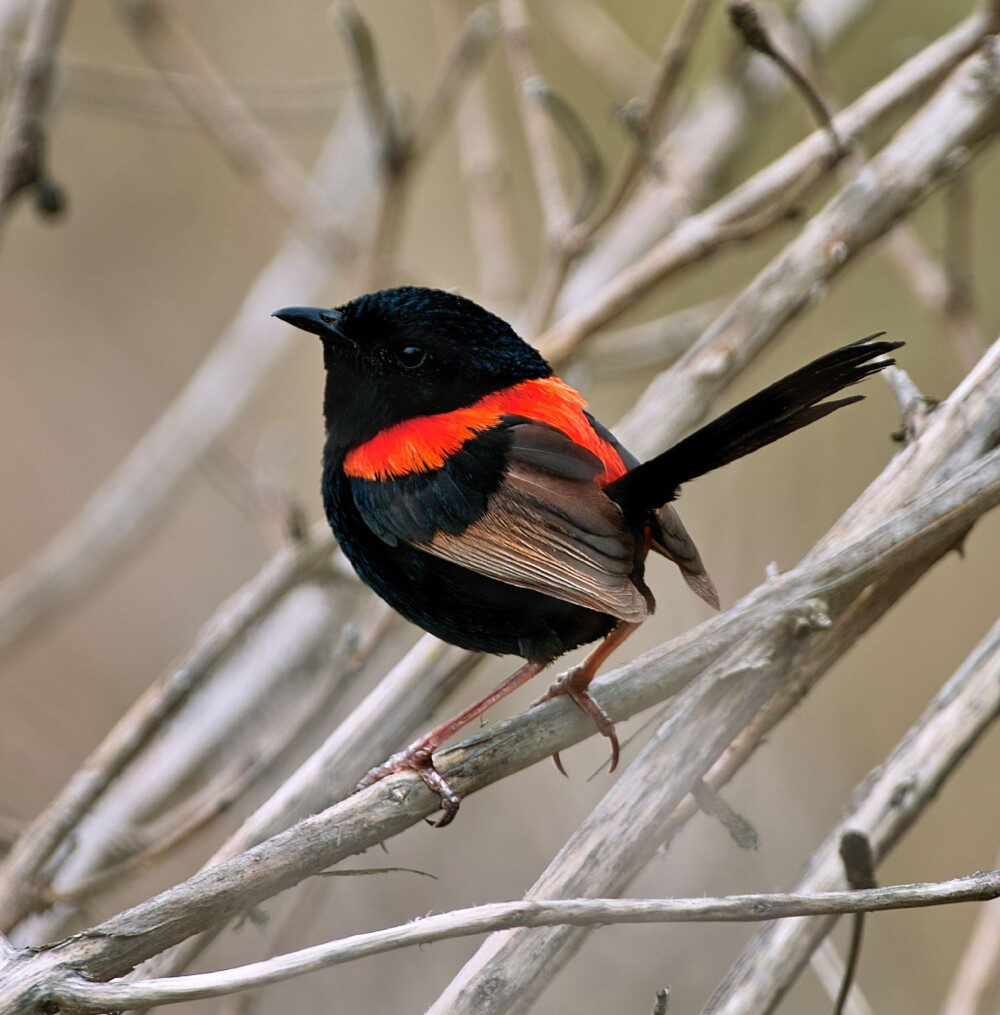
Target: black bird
x=475 y=493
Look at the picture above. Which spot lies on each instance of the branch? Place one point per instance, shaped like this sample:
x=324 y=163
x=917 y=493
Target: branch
x=702 y=145
x=977 y=968
x=22 y=137
x=734 y=641
x=537 y=126
x=652 y=110
x=391 y=714
x=21 y=882
x=133 y=498
x=73 y=994
x=884 y=806
x=646 y=807
x=964 y=112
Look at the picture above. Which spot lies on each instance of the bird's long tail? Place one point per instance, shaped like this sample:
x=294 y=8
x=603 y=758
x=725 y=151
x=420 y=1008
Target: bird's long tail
x=780 y=409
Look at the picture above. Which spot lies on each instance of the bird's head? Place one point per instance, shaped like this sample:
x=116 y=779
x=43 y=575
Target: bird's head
x=400 y=353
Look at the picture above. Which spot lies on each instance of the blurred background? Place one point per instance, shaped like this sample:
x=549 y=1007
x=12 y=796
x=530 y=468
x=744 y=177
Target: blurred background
x=109 y=310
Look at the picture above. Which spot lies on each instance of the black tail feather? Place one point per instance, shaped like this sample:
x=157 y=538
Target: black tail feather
x=780 y=409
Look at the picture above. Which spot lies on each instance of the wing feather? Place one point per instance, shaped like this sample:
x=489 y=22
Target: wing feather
x=520 y=505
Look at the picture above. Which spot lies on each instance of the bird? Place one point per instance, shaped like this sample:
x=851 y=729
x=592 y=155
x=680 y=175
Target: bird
x=473 y=490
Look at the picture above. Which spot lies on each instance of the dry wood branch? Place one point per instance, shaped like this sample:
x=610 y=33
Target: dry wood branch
x=356 y=643
x=475 y=37
x=964 y=112
x=537 y=126
x=703 y=143
x=884 y=805
x=77 y=995
x=697 y=236
x=22 y=137
x=926 y=528
x=487 y=184
x=977 y=969
x=392 y=714
x=652 y=112
x=133 y=498
x=641 y=810
x=21 y=884
x=217 y=107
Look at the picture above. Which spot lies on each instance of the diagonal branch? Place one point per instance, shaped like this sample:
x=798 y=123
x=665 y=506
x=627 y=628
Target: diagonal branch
x=761 y=638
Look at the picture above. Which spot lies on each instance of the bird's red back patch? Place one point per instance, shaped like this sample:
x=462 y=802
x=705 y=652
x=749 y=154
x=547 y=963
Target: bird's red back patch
x=427 y=442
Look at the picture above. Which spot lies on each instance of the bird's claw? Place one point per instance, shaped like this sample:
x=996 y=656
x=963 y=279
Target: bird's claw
x=574 y=683
x=417 y=758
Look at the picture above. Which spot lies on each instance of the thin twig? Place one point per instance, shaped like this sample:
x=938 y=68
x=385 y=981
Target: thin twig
x=695 y=236
x=884 y=805
x=746 y=20
x=701 y=147
x=73 y=994
x=965 y=109
x=22 y=136
x=859 y=870
x=653 y=107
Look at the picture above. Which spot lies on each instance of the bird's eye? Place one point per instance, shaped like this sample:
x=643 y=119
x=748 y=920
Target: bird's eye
x=412 y=356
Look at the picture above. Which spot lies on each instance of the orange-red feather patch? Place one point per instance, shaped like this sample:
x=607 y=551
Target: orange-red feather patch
x=427 y=442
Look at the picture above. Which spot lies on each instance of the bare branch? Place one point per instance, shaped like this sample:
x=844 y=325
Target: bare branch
x=133 y=498
x=537 y=127
x=652 y=112
x=929 y=525
x=964 y=111
x=696 y=236
x=884 y=805
x=22 y=137
x=746 y=20
x=73 y=994
x=20 y=872
x=702 y=144
x=977 y=969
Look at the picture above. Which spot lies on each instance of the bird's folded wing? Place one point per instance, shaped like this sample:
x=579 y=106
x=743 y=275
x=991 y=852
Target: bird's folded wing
x=539 y=522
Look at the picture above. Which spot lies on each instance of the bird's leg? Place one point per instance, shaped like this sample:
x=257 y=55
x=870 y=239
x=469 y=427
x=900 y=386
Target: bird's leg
x=575 y=682
x=418 y=756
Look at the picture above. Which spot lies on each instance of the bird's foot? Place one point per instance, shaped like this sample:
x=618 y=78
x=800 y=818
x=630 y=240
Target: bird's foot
x=575 y=683
x=417 y=758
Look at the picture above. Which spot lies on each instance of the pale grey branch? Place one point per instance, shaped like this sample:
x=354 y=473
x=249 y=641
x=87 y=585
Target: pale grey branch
x=77 y=995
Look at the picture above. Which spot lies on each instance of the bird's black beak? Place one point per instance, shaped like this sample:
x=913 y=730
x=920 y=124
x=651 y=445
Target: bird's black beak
x=317 y=320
